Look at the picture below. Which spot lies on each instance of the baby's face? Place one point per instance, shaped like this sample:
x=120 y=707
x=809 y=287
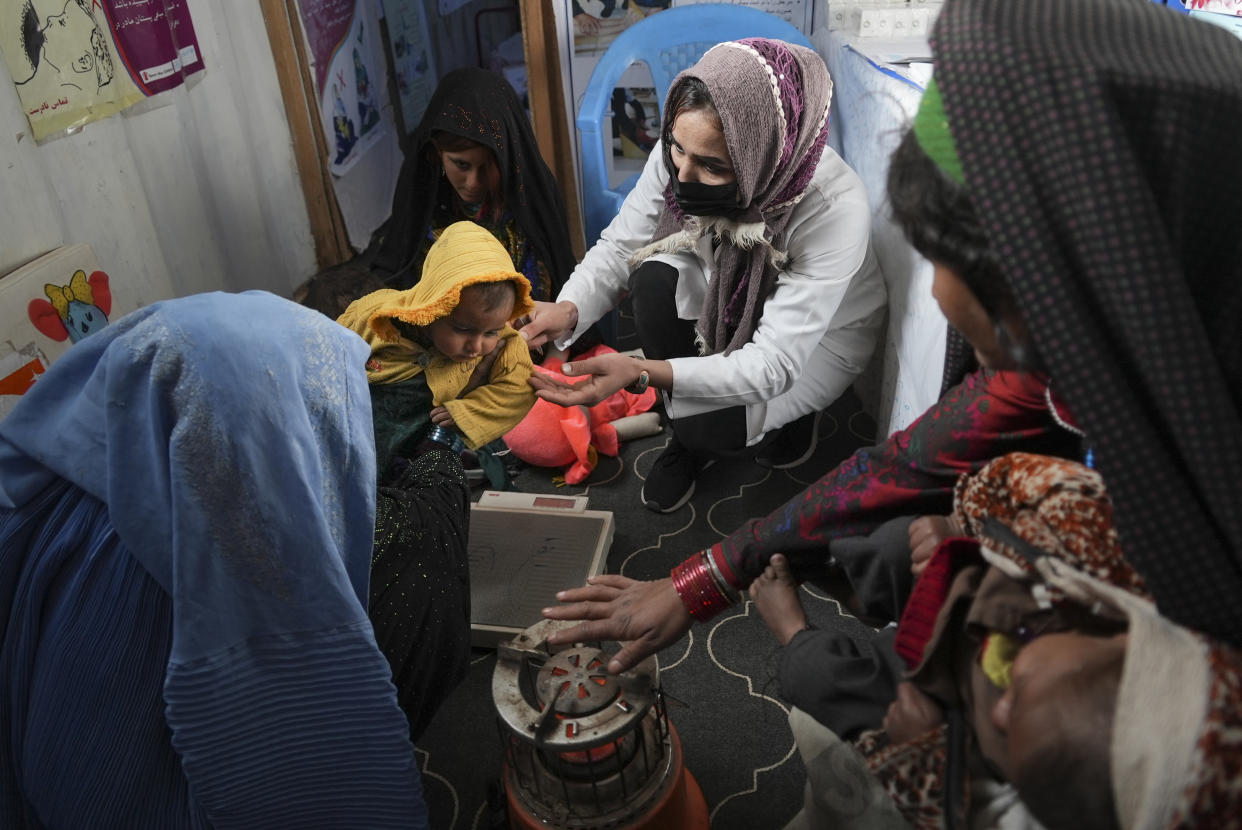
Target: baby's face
x=472 y=330
x=1049 y=678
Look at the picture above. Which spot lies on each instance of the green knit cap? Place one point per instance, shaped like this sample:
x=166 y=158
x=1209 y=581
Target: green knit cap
x=931 y=128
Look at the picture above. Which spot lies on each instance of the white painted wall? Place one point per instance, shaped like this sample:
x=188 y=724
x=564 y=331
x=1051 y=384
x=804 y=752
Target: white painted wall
x=193 y=190
x=870 y=110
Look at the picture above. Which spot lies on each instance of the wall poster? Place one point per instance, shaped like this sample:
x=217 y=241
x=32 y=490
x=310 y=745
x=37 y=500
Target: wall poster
x=48 y=305
x=157 y=41
x=1233 y=7
x=76 y=61
x=349 y=76
x=412 y=60
x=593 y=26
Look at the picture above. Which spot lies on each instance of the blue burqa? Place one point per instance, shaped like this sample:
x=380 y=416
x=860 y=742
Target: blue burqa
x=186 y=515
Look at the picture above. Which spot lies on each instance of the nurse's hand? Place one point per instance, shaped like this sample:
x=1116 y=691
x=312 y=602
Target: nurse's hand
x=643 y=616
x=601 y=376
x=549 y=321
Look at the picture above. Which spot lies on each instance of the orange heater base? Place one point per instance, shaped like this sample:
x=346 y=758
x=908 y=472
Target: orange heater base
x=682 y=807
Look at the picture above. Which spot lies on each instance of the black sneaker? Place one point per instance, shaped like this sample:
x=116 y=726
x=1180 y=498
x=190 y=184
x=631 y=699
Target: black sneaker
x=670 y=483
x=794 y=444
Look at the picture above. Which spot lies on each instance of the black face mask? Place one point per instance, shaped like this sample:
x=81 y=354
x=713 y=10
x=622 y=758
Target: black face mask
x=699 y=199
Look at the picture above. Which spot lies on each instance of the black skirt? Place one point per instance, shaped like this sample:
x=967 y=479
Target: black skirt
x=420 y=584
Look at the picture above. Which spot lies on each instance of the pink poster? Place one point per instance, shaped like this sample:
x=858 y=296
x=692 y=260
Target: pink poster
x=344 y=42
x=156 y=41
x=326 y=22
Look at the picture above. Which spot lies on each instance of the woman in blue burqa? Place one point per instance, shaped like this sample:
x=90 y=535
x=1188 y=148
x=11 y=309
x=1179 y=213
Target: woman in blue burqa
x=187 y=502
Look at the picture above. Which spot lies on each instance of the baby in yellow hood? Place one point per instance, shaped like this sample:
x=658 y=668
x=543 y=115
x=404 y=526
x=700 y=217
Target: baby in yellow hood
x=443 y=352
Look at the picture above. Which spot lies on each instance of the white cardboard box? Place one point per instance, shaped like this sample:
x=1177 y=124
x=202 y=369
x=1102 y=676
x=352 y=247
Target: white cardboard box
x=524 y=547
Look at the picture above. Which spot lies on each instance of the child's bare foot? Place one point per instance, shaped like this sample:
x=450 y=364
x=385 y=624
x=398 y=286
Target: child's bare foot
x=775 y=594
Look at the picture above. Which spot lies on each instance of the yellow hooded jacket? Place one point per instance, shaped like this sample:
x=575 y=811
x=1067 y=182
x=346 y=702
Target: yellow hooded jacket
x=465 y=254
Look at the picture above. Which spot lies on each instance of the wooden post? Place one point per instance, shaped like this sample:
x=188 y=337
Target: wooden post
x=547 y=108
x=310 y=150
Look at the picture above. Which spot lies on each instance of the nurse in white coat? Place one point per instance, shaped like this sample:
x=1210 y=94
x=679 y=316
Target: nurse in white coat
x=745 y=248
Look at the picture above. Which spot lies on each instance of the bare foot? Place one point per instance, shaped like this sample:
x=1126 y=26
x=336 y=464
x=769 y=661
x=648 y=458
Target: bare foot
x=775 y=594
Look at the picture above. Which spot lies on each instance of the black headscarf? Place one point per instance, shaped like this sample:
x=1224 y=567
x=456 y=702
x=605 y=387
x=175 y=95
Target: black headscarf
x=481 y=106
x=1096 y=141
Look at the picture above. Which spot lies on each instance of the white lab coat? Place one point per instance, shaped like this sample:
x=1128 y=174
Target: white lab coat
x=817 y=330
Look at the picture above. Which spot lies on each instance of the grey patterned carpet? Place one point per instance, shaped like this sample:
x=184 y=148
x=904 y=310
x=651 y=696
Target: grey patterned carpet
x=723 y=699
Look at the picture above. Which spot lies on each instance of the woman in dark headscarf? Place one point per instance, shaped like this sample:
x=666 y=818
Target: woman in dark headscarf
x=474 y=157
x=1089 y=137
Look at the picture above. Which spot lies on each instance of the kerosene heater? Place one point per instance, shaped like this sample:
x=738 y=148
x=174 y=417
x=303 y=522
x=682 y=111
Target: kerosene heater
x=584 y=748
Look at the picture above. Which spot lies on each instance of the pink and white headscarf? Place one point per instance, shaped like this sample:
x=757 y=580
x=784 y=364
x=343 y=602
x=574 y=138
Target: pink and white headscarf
x=772 y=98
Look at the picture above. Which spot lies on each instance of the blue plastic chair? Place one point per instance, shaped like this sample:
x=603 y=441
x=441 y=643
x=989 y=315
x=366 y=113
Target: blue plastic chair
x=667 y=42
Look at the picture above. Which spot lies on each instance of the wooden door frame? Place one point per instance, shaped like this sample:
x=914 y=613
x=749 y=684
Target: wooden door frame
x=547 y=107
x=310 y=148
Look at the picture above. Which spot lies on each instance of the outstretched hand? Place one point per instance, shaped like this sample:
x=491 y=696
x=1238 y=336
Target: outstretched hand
x=643 y=616
x=602 y=375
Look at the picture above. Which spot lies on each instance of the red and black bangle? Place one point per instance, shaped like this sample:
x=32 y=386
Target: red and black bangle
x=698 y=588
